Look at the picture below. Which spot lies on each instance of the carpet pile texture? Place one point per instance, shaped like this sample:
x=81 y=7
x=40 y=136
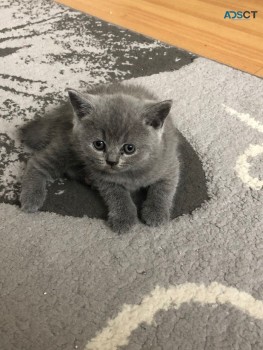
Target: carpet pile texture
x=68 y=282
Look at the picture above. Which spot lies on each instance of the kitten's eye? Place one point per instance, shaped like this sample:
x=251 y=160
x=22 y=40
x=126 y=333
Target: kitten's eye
x=99 y=145
x=129 y=148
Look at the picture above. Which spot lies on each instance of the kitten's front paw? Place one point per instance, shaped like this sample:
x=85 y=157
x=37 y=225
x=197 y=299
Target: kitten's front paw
x=122 y=223
x=32 y=200
x=154 y=216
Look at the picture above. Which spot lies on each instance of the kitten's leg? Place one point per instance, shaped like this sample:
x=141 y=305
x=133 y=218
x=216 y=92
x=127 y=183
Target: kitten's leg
x=156 y=209
x=122 y=211
x=33 y=191
x=42 y=167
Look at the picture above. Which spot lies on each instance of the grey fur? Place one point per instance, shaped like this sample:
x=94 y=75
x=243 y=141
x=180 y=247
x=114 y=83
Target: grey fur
x=115 y=114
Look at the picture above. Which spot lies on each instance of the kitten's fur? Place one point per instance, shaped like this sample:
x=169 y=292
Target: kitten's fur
x=116 y=114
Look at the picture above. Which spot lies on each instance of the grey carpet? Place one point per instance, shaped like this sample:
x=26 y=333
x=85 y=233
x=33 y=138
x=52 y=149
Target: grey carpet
x=70 y=283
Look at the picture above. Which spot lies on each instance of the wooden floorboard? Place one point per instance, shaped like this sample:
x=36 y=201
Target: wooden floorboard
x=195 y=25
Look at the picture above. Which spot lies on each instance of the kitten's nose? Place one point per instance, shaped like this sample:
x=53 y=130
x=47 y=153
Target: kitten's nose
x=111 y=162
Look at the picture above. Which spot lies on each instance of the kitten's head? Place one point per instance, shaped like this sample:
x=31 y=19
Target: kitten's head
x=118 y=132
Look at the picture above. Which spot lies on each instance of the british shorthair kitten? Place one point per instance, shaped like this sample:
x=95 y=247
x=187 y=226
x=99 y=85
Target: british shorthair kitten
x=118 y=136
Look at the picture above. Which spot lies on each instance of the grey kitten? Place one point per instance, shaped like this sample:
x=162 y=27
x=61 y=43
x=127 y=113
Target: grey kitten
x=118 y=136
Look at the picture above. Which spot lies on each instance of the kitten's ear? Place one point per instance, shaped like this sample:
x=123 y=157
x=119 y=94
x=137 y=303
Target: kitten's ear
x=82 y=105
x=155 y=113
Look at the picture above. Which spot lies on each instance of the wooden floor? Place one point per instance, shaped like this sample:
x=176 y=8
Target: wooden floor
x=195 y=25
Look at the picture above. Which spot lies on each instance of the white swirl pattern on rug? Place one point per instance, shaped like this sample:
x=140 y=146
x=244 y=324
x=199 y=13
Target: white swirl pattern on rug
x=119 y=329
x=242 y=164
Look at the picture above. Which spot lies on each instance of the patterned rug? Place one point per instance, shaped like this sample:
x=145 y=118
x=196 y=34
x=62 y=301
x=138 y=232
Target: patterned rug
x=46 y=48
x=68 y=282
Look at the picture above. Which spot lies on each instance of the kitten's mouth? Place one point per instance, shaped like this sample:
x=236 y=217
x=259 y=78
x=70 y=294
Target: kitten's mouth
x=107 y=168
x=112 y=169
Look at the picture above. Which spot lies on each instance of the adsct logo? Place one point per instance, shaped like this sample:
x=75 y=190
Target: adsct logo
x=240 y=14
